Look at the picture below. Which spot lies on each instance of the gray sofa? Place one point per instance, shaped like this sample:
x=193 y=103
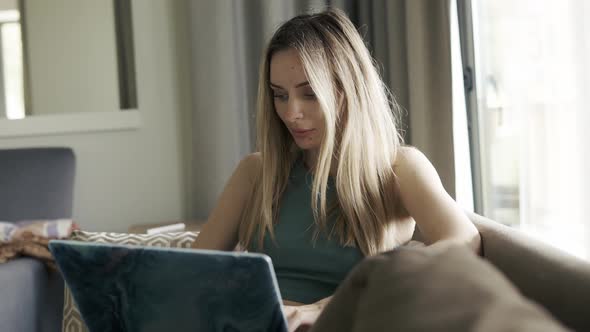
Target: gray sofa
x=34 y=184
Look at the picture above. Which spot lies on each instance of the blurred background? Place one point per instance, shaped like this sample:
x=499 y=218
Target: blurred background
x=157 y=99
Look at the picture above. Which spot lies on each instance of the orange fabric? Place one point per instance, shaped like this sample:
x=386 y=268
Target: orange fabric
x=25 y=242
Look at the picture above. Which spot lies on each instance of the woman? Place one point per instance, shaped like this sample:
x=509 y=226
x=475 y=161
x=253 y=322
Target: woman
x=331 y=182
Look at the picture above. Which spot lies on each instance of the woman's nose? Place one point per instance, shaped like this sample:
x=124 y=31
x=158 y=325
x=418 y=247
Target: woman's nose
x=294 y=110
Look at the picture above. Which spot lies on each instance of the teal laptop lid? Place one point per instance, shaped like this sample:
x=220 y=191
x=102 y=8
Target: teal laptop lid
x=133 y=288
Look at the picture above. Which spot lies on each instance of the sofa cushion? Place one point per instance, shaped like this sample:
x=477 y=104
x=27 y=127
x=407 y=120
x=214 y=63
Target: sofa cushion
x=72 y=321
x=428 y=289
x=37 y=183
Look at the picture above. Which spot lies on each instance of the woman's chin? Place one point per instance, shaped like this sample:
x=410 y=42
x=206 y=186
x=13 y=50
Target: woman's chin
x=306 y=146
x=306 y=143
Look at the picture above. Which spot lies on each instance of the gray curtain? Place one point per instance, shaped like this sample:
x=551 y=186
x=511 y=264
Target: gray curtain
x=409 y=38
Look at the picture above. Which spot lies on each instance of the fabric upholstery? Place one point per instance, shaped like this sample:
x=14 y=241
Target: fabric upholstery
x=35 y=183
x=558 y=281
x=30 y=238
x=421 y=289
x=554 y=279
x=31 y=296
x=20 y=280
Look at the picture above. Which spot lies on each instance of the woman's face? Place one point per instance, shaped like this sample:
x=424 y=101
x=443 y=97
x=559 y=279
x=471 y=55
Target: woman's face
x=294 y=100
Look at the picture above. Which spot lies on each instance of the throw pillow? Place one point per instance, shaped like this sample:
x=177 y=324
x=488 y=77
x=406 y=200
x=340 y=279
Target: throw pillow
x=72 y=321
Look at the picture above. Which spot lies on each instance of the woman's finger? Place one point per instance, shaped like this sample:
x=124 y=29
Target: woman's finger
x=294 y=320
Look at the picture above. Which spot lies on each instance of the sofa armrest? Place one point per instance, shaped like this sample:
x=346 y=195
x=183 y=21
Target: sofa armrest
x=31 y=298
x=556 y=280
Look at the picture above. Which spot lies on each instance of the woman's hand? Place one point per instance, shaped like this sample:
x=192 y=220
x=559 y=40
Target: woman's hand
x=300 y=318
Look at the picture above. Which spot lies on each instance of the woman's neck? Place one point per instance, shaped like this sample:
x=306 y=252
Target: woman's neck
x=310 y=159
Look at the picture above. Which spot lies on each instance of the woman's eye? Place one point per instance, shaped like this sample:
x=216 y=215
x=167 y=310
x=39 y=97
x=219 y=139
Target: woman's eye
x=309 y=94
x=280 y=97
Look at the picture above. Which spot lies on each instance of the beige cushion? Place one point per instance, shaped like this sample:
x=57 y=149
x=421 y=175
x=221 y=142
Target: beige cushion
x=72 y=321
x=549 y=276
x=423 y=289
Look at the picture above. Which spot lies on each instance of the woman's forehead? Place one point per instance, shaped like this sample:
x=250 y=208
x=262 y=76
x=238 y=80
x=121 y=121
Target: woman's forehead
x=286 y=69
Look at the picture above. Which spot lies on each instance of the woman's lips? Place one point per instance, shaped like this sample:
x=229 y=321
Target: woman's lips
x=301 y=132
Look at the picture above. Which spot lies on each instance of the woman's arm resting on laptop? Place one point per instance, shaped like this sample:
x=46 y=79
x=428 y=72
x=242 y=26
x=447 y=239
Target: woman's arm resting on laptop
x=220 y=232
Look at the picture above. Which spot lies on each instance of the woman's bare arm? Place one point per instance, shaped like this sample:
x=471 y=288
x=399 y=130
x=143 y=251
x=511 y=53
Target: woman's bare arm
x=439 y=218
x=220 y=232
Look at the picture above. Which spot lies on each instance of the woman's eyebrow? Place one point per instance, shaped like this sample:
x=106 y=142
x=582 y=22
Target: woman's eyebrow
x=296 y=86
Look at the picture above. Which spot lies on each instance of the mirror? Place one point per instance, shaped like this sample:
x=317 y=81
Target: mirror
x=65 y=56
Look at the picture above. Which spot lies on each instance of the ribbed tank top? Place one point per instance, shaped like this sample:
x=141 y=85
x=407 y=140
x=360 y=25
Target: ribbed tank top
x=306 y=272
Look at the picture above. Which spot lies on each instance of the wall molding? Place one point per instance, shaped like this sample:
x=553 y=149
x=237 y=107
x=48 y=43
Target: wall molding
x=70 y=123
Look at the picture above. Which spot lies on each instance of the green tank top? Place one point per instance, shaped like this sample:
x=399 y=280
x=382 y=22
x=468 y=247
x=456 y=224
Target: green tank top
x=306 y=272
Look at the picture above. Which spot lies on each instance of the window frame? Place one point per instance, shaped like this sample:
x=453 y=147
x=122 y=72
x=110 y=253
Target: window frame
x=468 y=56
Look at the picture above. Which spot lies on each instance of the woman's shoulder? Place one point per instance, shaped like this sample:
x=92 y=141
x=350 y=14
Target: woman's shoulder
x=412 y=170
x=251 y=164
x=253 y=158
x=408 y=157
x=414 y=173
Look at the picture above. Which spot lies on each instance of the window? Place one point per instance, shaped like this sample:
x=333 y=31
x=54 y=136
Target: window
x=12 y=104
x=530 y=115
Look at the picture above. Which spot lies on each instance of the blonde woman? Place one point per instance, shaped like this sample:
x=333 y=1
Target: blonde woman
x=331 y=182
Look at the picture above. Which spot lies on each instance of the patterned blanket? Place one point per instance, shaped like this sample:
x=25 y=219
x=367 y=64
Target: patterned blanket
x=30 y=238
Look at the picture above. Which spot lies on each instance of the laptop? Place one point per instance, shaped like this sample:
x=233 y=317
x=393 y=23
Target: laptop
x=142 y=289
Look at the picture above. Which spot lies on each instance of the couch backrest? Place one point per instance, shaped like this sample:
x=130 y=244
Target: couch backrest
x=550 y=277
x=36 y=183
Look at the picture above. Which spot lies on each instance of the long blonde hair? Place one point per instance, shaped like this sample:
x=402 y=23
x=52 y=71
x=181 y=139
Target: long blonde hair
x=361 y=136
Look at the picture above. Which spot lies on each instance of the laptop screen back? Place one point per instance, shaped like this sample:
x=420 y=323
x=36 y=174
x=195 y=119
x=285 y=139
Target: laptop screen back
x=132 y=288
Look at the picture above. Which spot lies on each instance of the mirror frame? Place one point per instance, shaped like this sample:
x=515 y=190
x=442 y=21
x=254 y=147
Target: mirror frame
x=127 y=117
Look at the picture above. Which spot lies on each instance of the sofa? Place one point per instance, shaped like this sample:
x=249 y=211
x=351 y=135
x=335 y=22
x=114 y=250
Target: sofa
x=548 y=276
x=35 y=184
x=521 y=284
x=38 y=183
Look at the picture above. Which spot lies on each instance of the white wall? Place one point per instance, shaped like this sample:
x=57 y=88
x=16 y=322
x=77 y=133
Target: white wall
x=73 y=43
x=8 y=5
x=137 y=176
